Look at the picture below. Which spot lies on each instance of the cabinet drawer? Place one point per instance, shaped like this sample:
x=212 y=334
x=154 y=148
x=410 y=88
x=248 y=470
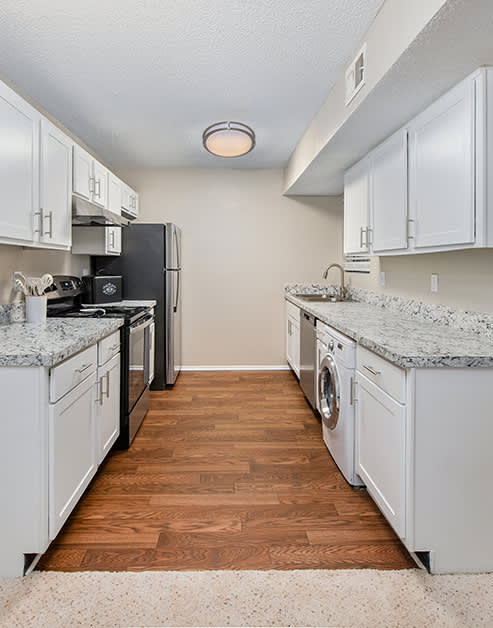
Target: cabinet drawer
x=390 y=378
x=70 y=373
x=293 y=311
x=108 y=347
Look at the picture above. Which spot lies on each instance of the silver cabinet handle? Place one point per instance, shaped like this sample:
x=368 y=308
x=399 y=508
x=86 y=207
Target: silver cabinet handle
x=361 y=231
x=408 y=223
x=368 y=242
x=100 y=391
x=112 y=239
x=98 y=183
x=41 y=222
x=50 y=220
x=83 y=368
x=371 y=370
x=107 y=384
x=92 y=187
x=351 y=388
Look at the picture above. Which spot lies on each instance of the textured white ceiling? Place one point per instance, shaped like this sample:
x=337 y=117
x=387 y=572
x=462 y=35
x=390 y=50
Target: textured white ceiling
x=139 y=80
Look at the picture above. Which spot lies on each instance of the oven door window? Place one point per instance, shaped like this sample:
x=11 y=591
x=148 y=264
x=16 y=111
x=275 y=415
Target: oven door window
x=136 y=364
x=329 y=393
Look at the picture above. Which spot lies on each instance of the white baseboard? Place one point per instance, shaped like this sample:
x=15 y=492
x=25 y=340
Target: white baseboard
x=249 y=367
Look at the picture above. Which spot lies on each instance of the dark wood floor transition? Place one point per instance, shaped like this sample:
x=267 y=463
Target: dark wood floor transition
x=229 y=471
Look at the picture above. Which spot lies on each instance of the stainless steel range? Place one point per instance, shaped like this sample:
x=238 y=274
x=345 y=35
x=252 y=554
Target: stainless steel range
x=65 y=298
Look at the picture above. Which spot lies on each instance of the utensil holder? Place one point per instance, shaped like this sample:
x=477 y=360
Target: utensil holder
x=35 y=310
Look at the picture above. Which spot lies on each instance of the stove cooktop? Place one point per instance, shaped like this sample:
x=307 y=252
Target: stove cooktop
x=129 y=313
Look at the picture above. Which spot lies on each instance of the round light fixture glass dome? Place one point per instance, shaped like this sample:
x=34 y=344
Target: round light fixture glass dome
x=228 y=139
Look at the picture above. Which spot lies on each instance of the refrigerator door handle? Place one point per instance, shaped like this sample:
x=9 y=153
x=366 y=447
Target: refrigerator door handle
x=178 y=265
x=175 y=306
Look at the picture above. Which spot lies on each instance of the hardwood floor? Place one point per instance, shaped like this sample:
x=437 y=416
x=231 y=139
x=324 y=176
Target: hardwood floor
x=229 y=471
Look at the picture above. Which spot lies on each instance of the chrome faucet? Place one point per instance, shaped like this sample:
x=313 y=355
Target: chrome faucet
x=342 y=287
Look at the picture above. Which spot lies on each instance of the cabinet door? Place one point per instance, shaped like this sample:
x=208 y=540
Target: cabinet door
x=388 y=194
x=83 y=179
x=135 y=203
x=290 y=341
x=101 y=178
x=125 y=197
x=55 y=186
x=293 y=344
x=19 y=166
x=72 y=450
x=442 y=170
x=296 y=347
x=115 y=194
x=356 y=209
x=380 y=450
x=113 y=240
x=109 y=406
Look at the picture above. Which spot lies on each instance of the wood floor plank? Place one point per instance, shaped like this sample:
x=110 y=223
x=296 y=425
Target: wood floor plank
x=229 y=471
x=364 y=555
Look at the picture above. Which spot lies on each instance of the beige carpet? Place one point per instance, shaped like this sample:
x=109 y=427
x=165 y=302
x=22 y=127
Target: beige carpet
x=247 y=598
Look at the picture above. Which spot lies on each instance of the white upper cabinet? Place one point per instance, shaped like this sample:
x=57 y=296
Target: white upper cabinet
x=115 y=194
x=130 y=201
x=83 y=181
x=19 y=167
x=357 y=209
x=101 y=179
x=55 y=211
x=388 y=194
x=91 y=179
x=442 y=170
x=428 y=183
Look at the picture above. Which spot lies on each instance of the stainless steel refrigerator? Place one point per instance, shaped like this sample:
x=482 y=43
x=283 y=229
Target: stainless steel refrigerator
x=150 y=264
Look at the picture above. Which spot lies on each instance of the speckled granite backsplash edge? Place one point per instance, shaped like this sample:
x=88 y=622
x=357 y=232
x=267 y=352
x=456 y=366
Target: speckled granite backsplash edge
x=477 y=322
x=12 y=312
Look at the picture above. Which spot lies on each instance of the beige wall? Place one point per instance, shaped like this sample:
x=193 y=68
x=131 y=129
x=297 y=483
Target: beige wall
x=465 y=278
x=242 y=241
x=35 y=263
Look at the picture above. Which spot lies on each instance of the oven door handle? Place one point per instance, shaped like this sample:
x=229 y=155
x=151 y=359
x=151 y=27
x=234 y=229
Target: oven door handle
x=141 y=326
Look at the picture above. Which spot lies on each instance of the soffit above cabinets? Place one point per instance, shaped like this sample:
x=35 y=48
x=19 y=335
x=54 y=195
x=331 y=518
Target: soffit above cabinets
x=455 y=42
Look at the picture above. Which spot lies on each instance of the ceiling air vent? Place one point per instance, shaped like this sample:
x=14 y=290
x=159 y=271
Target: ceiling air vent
x=355 y=75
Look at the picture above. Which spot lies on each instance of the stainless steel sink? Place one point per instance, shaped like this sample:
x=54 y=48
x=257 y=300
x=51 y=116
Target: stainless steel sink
x=319 y=298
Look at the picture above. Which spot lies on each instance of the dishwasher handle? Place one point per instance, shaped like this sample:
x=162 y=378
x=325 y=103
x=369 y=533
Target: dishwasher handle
x=309 y=317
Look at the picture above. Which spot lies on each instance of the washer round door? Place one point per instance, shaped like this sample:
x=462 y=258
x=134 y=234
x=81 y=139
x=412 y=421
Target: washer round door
x=329 y=397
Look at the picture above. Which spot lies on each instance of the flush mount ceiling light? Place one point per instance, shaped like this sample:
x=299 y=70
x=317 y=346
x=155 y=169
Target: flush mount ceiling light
x=228 y=139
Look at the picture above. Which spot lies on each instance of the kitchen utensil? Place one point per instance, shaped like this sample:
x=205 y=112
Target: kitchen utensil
x=20 y=282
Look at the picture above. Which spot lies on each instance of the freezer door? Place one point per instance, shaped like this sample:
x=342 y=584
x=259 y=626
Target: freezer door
x=173 y=325
x=173 y=247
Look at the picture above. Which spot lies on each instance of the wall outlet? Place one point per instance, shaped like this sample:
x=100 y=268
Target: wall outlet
x=434 y=283
x=383 y=279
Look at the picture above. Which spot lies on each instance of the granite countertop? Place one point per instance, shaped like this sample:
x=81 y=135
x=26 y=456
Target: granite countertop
x=403 y=339
x=23 y=344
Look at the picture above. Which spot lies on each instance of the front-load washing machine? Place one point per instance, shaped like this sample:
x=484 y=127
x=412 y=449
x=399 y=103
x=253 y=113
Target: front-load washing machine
x=336 y=362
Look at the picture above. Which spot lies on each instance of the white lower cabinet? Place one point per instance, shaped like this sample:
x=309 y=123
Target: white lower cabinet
x=293 y=337
x=53 y=440
x=380 y=450
x=72 y=450
x=108 y=406
x=423 y=449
